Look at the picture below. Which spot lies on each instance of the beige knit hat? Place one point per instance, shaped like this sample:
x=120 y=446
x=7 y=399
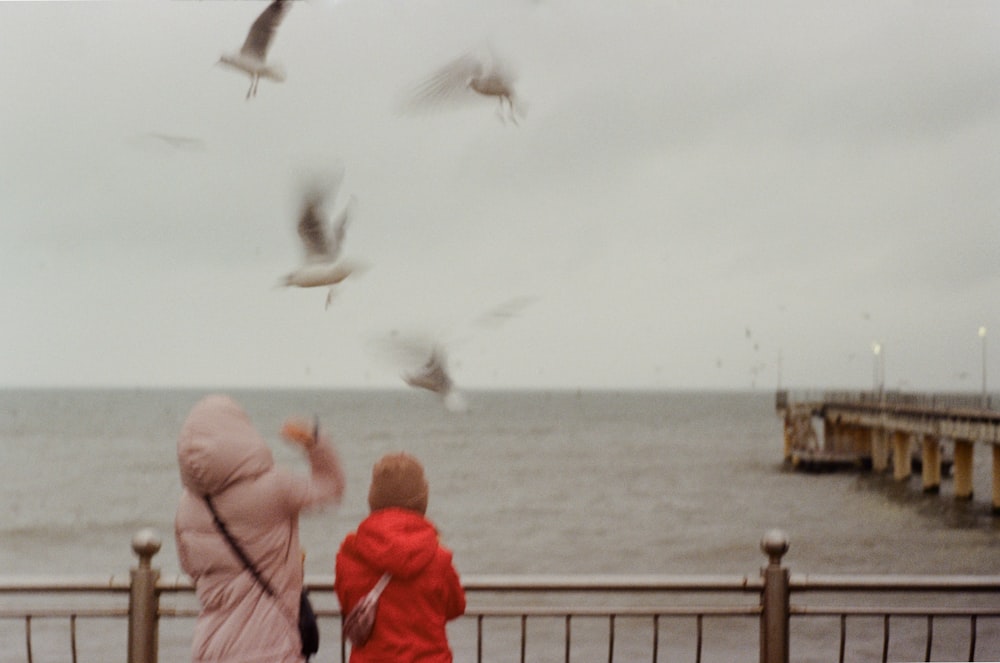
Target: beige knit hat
x=398 y=480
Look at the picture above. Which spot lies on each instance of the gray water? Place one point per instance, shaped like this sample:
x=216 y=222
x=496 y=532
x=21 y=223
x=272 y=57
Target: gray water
x=524 y=482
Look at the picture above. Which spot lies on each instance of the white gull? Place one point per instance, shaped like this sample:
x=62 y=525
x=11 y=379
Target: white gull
x=322 y=243
x=465 y=77
x=252 y=57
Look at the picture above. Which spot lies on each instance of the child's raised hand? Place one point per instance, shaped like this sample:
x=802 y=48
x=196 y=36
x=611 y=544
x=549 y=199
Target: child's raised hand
x=300 y=431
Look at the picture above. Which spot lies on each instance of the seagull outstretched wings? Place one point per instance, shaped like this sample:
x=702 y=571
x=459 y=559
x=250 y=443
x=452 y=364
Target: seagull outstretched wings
x=465 y=77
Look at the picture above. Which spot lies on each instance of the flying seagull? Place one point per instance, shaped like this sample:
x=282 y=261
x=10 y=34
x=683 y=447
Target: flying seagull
x=175 y=141
x=322 y=243
x=425 y=364
x=433 y=376
x=252 y=57
x=463 y=78
x=501 y=314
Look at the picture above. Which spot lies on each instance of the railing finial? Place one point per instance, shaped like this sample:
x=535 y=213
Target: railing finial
x=146 y=543
x=774 y=545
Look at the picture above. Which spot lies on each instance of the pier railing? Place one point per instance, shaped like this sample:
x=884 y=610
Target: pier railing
x=932 y=402
x=593 y=618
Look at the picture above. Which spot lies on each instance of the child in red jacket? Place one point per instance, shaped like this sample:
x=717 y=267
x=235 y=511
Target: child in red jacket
x=423 y=591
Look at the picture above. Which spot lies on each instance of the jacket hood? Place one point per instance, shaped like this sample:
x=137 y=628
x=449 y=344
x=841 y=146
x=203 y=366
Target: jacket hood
x=218 y=446
x=400 y=541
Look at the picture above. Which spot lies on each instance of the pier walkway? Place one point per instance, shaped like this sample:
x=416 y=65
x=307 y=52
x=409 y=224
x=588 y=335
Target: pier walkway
x=879 y=430
x=773 y=615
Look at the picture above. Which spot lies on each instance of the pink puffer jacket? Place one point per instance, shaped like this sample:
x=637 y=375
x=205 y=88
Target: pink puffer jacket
x=221 y=454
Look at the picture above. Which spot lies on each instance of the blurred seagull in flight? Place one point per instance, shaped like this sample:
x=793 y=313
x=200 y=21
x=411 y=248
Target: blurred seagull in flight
x=466 y=76
x=152 y=139
x=433 y=376
x=252 y=57
x=322 y=243
x=426 y=365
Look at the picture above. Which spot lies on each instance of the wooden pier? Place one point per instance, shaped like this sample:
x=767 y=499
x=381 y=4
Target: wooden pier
x=892 y=430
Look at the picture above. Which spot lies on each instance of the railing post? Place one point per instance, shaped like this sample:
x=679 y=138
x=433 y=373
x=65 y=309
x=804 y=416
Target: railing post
x=144 y=600
x=774 y=600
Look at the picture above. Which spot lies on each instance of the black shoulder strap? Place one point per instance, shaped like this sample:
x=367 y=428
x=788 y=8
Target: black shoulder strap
x=236 y=549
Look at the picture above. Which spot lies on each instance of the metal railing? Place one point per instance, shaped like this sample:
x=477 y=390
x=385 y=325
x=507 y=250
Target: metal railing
x=972 y=403
x=553 y=618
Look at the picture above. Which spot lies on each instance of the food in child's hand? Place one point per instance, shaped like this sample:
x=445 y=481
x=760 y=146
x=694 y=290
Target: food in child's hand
x=297 y=431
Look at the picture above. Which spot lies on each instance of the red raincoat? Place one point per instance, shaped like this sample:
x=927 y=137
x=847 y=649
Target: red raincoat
x=422 y=596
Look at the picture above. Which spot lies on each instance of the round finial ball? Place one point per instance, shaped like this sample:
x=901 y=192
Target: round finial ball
x=774 y=543
x=146 y=542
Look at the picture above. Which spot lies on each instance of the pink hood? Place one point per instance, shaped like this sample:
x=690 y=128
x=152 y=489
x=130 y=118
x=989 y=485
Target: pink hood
x=218 y=446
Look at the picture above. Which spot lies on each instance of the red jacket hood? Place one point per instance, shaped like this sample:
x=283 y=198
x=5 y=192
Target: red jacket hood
x=393 y=540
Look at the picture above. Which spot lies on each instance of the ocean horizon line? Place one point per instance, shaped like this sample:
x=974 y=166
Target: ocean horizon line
x=559 y=389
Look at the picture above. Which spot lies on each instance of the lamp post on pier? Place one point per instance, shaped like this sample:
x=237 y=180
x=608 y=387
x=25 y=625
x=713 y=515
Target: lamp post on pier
x=982 y=335
x=878 y=375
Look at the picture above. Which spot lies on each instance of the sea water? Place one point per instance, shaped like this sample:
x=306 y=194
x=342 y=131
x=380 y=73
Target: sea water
x=532 y=482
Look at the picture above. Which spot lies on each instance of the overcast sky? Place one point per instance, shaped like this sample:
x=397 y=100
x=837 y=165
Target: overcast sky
x=699 y=195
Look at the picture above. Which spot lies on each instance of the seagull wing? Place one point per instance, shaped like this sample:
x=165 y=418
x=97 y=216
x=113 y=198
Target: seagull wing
x=312 y=228
x=336 y=240
x=448 y=82
x=263 y=29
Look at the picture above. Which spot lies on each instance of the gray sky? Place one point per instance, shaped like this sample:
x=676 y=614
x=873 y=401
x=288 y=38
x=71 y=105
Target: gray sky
x=696 y=189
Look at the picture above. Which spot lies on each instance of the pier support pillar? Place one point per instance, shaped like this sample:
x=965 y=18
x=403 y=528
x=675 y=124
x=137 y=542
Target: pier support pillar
x=789 y=436
x=996 y=479
x=902 y=465
x=963 y=469
x=880 y=450
x=861 y=442
x=931 y=461
x=831 y=435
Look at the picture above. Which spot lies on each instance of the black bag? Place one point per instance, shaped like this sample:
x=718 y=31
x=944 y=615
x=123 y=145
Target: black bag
x=308 y=628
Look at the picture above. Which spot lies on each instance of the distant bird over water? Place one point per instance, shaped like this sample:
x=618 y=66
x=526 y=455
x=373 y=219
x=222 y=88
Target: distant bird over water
x=322 y=243
x=466 y=76
x=252 y=57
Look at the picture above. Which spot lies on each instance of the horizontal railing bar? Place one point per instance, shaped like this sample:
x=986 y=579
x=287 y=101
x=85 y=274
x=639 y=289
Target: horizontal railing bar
x=554 y=611
x=612 y=583
x=194 y=612
x=902 y=583
x=474 y=583
x=864 y=611
x=561 y=583
x=672 y=611
x=182 y=583
x=52 y=584
x=567 y=583
x=61 y=613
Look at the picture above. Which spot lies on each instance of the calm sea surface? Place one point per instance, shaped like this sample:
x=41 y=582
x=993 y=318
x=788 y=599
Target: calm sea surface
x=524 y=482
